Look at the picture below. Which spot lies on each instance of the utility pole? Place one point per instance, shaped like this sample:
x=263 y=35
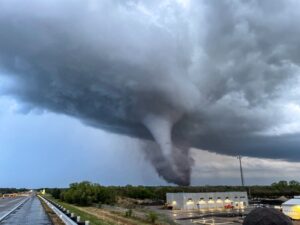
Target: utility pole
x=241 y=170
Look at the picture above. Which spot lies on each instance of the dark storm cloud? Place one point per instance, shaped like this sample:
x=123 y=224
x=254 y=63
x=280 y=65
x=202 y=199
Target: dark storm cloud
x=216 y=75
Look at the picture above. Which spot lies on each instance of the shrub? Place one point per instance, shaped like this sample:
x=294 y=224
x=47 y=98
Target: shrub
x=152 y=217
x=86 y=193
x=128 y=213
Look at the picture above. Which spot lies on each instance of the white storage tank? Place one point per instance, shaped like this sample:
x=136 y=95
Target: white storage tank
x=291 y=208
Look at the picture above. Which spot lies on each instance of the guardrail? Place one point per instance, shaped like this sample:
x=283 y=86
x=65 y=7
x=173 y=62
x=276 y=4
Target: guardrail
x=12 y=210
x=65 y=215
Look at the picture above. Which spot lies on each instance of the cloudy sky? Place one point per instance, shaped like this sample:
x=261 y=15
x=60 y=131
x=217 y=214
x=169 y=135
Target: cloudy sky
x=149 y=92
x=48 y=149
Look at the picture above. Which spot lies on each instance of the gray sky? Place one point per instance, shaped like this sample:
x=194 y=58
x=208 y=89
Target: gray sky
x=49 y=150
x=150 y=80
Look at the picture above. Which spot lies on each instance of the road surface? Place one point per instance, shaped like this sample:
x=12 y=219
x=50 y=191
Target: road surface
x=31 y=212
x=7 y=204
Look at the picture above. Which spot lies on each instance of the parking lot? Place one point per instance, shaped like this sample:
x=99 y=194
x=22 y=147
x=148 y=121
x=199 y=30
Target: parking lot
x=210 y=217
x=206 y=217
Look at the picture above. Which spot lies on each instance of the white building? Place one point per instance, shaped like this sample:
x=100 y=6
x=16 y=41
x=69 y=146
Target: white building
x=213 y=200
x=291 y=208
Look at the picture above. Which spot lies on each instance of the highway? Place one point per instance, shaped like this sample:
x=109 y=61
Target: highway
x=31 y=212
x=7 y=204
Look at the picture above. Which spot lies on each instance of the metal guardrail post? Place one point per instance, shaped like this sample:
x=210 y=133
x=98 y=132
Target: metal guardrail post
x=66 y=216
x=59 y=213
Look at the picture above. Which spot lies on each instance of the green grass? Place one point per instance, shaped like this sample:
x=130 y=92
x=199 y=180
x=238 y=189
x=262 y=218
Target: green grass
x=96 y=221
x=83 y=215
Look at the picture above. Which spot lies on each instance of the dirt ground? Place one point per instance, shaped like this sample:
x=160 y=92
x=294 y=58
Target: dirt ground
x=107 y=216
x=137 y=218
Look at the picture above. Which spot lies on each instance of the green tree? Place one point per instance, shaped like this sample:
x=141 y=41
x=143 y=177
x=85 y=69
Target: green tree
x=294 y=183
x=86 y=193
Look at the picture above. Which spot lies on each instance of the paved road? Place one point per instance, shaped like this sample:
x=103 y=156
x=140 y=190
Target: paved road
x=6 y=204
x=30 y=213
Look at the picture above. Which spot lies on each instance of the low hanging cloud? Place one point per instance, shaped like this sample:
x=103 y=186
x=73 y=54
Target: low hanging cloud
x=221 y=76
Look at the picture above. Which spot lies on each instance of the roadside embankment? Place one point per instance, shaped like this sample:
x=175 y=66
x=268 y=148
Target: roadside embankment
x=51 y=214
x=102 y=216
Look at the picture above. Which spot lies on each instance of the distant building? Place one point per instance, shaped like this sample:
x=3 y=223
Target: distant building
x=291 y=208
x=202 y=201
x=43 y=192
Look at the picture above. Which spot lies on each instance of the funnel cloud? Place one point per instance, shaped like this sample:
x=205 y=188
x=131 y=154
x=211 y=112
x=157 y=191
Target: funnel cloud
x=216 y=75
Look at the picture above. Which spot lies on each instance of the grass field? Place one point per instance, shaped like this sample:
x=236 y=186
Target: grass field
x=100 y=216
x=83 y=215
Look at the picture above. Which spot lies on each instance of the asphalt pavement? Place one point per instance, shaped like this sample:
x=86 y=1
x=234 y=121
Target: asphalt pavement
x=7 y=204
x=30 y=213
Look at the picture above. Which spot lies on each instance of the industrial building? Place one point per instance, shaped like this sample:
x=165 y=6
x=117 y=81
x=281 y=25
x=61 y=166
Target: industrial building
x=204 y=201
x=291 y=208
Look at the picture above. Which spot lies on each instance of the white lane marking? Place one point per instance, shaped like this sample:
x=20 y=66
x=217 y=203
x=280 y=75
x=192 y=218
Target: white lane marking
x=12 y=210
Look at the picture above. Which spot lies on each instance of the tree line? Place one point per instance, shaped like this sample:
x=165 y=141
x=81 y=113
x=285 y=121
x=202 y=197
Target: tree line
x=12 y=190
x=86 y=193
